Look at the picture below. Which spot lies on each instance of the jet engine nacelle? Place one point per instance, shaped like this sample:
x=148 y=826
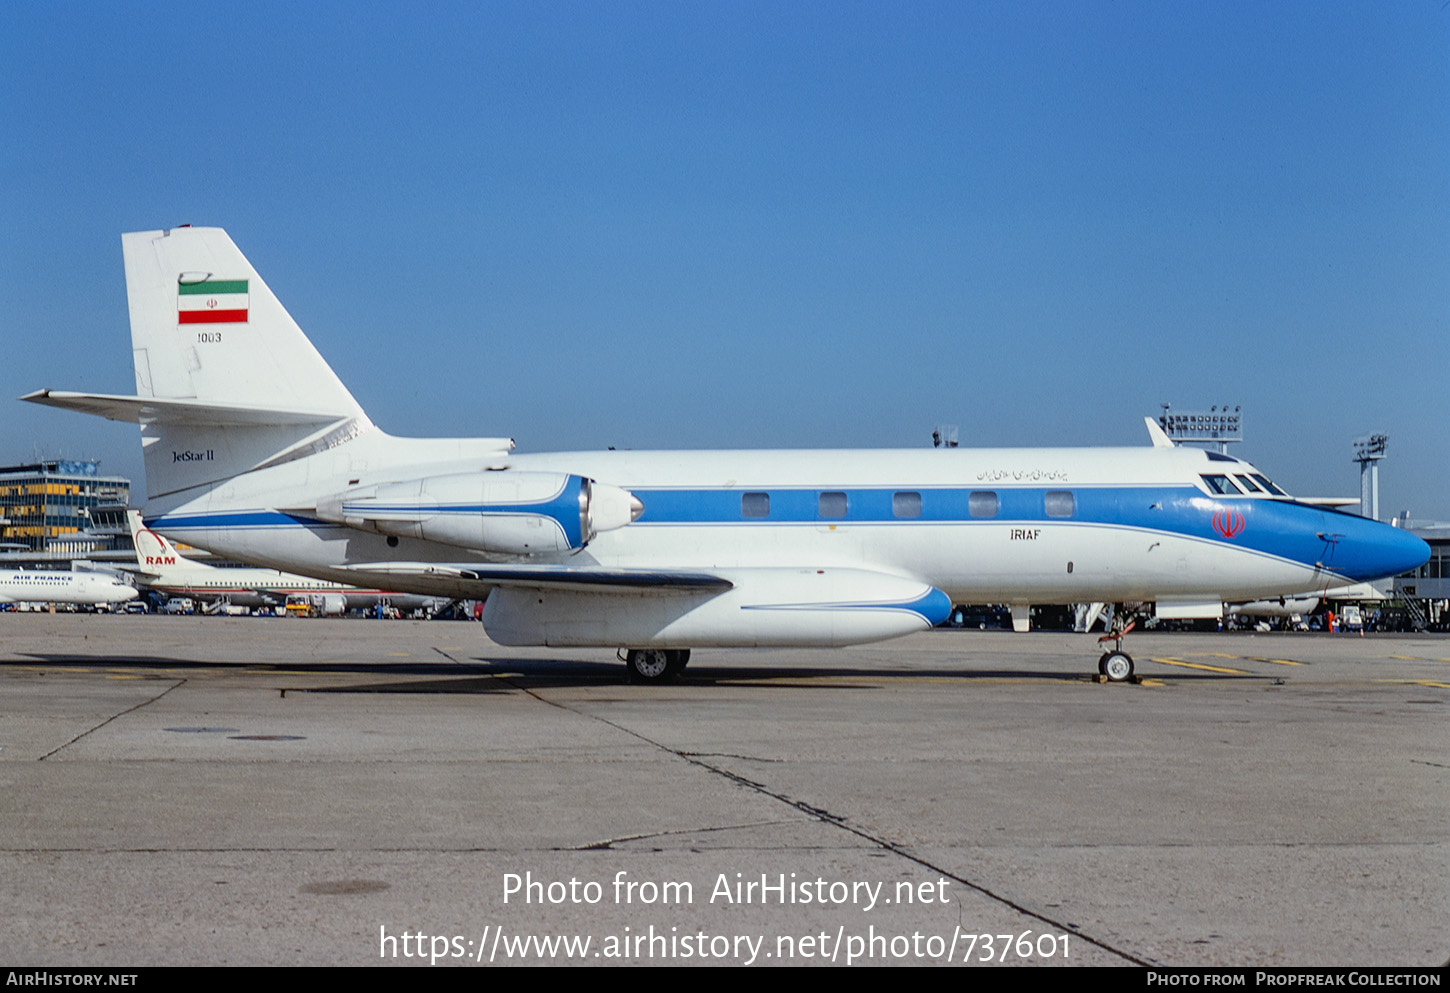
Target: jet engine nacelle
x=519 y=513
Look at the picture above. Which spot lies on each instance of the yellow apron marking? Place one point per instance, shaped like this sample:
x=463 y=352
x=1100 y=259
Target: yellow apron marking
x=1416 y=682
x=1200 y=665
x=1277 y=661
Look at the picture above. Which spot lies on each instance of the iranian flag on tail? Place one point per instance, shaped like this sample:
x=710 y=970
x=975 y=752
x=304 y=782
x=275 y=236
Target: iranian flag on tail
x=212 y=301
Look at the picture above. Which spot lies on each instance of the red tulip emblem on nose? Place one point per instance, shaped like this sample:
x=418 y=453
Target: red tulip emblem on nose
x=1228 y=523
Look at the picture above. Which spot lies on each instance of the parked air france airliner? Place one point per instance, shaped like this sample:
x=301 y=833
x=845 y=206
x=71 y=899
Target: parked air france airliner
x=255 y=450
x=26 y=586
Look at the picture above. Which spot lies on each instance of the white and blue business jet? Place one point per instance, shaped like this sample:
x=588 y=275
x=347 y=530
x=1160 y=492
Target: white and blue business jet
x=255 y=450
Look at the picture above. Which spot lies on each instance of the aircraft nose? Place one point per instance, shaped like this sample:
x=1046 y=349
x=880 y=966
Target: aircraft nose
x=1377 y=551
x=1415 y=552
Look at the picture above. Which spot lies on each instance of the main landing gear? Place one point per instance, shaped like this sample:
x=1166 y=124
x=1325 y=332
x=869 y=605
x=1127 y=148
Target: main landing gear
x=655 y=665
x=1116 y=664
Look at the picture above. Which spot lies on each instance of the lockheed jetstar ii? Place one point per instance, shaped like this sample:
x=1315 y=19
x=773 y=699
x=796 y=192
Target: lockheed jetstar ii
x=256 y=451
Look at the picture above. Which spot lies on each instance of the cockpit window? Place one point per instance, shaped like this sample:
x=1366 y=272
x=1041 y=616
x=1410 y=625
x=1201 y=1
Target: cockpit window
x=1268 y=485
x=1247 y=483
x=1221 y=485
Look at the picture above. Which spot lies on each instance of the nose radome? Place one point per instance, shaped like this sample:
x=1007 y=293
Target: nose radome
x=1378 y=551
x=1415 y=551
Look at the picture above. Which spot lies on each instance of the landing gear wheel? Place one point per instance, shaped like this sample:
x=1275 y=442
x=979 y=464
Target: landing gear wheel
x=678 y=659
x=649 y=665
x=1117 y=666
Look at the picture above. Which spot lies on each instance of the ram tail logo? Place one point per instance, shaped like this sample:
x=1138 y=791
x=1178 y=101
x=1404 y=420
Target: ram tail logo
x=1229 y=523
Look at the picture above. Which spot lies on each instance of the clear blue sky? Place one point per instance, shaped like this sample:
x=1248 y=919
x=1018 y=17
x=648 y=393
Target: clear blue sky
x=770 y=224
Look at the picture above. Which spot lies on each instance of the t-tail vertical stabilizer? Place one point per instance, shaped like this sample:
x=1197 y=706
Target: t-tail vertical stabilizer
x=227 y=383
x=206 y=328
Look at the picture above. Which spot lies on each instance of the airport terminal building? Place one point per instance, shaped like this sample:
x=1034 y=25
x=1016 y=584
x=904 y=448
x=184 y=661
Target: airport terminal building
x=1426 y=591
x=48 y=504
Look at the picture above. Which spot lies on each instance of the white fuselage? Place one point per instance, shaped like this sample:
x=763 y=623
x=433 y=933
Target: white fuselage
x=1138 y=549
x=24 y=586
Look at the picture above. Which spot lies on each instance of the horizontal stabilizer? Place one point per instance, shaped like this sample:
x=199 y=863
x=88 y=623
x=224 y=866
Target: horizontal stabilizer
x=152 y=410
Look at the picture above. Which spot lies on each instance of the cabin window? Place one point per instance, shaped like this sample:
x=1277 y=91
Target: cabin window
x=832 y=504
x=906 y=504
x=982 y=503
x=1058 y=503
x=755 y=505
x=1221 y=485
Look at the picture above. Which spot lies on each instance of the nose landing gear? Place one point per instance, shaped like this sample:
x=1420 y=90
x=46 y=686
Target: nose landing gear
x=1115 y=664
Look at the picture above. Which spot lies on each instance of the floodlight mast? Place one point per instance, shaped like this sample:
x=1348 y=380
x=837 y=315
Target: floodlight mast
x=1368 y=451
x=1218 y=426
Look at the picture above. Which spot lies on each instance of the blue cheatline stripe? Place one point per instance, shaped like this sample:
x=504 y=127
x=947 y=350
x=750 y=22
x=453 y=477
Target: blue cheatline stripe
x=874 y=505
x=1342 y=544
x=1273 y=527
